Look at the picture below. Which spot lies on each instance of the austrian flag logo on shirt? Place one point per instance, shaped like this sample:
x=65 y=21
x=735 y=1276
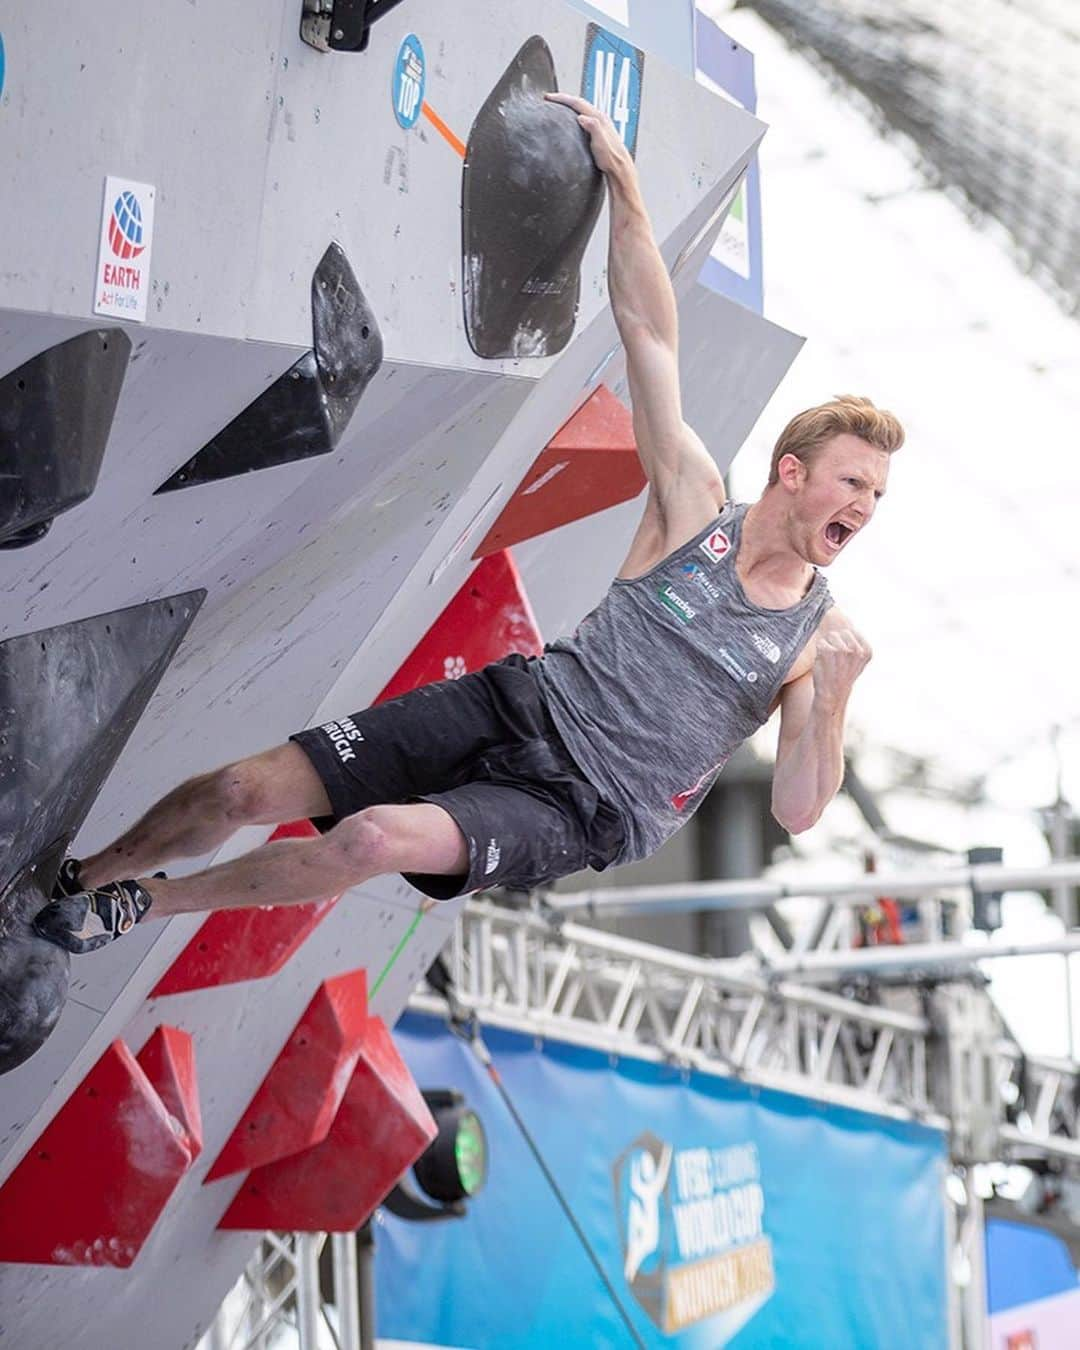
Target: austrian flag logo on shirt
x=716 y=545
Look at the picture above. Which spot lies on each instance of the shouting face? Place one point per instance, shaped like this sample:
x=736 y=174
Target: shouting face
x=833 y=497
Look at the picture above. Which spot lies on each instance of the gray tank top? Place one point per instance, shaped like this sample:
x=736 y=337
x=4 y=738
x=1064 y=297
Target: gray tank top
x=668 y=675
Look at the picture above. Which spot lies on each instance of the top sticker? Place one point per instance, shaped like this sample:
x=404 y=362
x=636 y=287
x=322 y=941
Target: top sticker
x=410 y=74
x=611 y=78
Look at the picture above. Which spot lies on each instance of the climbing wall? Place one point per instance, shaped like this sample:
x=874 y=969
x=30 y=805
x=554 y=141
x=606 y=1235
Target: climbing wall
x=262 y=394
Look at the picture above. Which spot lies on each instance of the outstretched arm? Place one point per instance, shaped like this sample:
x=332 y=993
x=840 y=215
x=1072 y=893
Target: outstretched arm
x=810 y=754
x=681 y=472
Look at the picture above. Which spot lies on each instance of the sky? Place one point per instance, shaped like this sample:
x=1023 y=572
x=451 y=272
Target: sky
x=967 y=581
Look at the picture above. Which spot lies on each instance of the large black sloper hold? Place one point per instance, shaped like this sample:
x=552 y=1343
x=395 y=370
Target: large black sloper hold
x=531 y=194
x=69 y=699
x=56 y=412
x=306 y=410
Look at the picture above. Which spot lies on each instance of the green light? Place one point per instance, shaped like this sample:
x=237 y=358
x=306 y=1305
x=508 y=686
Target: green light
x=470 y=1153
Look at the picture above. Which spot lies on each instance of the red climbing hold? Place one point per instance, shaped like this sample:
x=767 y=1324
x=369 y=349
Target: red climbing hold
x=168 y=1060
x=382 y=1127
x=245 y=944
x=488 y=618
x=91 y=1189
x=590 y=463
x=300 y=1095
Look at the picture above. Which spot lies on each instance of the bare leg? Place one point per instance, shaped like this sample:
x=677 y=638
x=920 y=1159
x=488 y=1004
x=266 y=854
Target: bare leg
x=417 y=838
x=196 y=817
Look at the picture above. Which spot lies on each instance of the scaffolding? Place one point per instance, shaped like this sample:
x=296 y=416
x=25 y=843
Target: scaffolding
x=944 y=1060
x=524 y=971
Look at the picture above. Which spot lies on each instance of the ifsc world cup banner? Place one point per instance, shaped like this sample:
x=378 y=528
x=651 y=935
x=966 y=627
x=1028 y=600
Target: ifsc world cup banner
x=722 y=1214
x=692 y=1229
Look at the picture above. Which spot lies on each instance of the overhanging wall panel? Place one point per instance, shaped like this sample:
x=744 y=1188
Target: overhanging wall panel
x=247 y=160
x=122 y=545
x=260 y=665
x=415 y=231
x=731 y=362
x=190 y=135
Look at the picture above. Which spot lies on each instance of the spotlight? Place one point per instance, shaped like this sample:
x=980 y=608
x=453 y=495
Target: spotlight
x=452 y=1169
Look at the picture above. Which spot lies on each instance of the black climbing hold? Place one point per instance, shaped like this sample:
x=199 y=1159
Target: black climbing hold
x=342 y=25
x=70 y=697
x=33 y=974
x=531 y=194
x=56 y=412
x=305 y=411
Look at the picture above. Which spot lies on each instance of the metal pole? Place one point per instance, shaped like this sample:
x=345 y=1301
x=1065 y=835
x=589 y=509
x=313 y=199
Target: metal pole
x=952 y=1288
x=732 y=845
x=257 y=1303
x=346 y=1291
x=915 y=957
x=1063 y=900
x=217 y=1334
x=705 y=895
x=1059 y=836
x=308 y=1303
x=976 y=1317
x=365 y=1247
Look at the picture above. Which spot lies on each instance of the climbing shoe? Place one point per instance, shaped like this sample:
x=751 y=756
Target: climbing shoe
x=68 y=880
x=87 y=920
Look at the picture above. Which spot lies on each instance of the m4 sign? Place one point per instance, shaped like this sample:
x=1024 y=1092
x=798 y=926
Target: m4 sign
x=611 y=77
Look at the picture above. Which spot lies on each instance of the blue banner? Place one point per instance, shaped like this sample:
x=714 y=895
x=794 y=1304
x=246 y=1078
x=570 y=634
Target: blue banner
x=722 y=1214
x=734 y=267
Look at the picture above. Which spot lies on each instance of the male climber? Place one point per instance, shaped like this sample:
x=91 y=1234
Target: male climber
x=598 y=751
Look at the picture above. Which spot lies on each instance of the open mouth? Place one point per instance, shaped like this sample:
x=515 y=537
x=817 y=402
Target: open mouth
x=838 y=533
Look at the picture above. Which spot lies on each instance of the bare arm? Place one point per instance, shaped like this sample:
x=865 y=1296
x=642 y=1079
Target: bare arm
x=682 y=475
x=810 y=754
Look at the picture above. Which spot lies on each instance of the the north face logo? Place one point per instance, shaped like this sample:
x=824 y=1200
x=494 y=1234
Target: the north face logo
x=769 y=650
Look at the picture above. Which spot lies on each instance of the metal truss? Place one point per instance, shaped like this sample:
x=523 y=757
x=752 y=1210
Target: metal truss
x=1042 y=1105
x=514 y=969
x=947 y=1066
x=280 y=1288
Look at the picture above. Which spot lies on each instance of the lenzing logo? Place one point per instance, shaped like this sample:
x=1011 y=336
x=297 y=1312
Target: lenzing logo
x=673 y=601
x=691 y=1223
x=126 y=226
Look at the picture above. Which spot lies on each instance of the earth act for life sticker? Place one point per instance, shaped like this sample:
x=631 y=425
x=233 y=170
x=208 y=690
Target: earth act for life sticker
x=123 y=269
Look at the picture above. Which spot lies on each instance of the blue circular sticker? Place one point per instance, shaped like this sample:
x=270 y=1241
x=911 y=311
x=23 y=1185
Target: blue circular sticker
x=1 y=63
x=408 y=86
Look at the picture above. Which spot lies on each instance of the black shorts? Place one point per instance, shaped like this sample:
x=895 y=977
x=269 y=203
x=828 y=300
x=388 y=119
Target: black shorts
x=485 y=749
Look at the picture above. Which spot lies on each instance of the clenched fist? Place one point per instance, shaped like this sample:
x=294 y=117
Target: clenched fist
x=840 y=657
